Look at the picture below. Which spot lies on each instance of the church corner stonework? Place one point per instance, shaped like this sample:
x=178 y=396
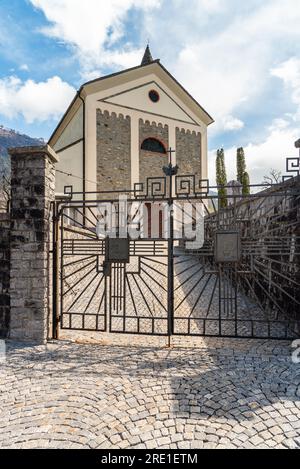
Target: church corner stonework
x=188 y=152
x=113 y=151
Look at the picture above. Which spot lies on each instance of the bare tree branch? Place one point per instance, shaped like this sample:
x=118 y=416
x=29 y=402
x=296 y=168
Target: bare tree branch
x=273 y=177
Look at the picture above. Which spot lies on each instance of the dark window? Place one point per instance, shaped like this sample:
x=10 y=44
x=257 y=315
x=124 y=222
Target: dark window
x=154 y=96
x=151 y=144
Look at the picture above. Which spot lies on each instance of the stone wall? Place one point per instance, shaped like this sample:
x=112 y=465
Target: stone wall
x=188 y=152
x=33 y=190
x=151 y=164
x=4 y=274
x=3 y=202
x=113 y=151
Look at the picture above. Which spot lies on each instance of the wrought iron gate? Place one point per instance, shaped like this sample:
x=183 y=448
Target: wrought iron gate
x=242 y=280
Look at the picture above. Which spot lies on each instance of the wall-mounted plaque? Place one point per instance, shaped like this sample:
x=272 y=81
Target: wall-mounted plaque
x=227 y=246
x=117 y=250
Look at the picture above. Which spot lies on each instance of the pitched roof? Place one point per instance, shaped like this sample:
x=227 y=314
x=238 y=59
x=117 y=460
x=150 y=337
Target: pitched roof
x=86 y=85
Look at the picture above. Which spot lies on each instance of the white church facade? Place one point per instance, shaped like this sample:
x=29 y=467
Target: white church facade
x=118 y=129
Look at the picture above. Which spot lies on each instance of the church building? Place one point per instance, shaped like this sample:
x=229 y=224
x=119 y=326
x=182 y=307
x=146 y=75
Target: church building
x=118 y=129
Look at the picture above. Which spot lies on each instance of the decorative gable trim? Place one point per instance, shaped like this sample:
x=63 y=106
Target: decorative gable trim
x=153 y=82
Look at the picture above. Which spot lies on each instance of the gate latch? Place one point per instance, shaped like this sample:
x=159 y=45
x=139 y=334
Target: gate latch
x=106 y=266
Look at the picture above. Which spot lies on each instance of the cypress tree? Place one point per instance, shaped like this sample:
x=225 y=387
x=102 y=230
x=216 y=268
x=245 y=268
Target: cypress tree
x=240 y=164
x=218 y=169
x=221 y=177
x=242 y=175
x=246 y=183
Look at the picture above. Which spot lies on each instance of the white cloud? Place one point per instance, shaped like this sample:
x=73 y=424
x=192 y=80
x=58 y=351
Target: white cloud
x=232 y=123
x=289 y=72
x=261 y=157
x=222 y=51
x=116 y=59
x=34 y=101
x=211 y=6
x=24 y=67
x=226 y=67
x=92 y=28
x=279 y=124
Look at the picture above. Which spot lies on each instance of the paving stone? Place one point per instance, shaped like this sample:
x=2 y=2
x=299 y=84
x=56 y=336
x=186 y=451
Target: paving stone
x=163 y=441
x=177 y=437
x=275 y=430
x=70 y=395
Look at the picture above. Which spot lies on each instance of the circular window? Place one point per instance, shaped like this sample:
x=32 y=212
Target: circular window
x=154 y=96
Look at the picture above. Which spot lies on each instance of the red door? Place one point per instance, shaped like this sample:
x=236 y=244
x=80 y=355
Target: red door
x=154 y=219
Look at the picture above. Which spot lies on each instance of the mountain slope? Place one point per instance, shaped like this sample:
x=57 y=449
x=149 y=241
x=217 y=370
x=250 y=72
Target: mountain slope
x=11 y=138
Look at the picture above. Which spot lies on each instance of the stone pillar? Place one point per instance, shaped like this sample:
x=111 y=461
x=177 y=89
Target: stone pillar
x=33 y=190
x=4 y=274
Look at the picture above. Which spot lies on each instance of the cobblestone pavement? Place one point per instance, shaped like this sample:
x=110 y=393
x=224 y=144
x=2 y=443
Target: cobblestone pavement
x=210 y=393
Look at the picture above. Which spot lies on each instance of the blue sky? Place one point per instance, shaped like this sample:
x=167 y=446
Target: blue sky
x=240 y=60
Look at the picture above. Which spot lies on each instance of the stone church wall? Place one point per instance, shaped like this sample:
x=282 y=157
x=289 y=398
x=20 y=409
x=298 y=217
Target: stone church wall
x=188 y=152
x=151 y=164
x=113 y=151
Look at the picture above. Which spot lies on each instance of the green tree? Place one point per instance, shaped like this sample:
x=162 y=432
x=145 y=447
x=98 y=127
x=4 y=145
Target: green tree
x=240 y=164
x=246 y=183
x=242 y=175
x=221 y=178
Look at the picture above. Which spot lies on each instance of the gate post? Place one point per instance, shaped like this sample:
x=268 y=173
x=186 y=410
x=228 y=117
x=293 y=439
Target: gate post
x=32 y=192
x=170 y=171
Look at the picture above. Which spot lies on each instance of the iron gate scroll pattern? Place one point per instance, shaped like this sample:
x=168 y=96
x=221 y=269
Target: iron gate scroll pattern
x=242 y=282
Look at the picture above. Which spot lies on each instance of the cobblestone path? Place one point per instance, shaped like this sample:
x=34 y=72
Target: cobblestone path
x=199 y=393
